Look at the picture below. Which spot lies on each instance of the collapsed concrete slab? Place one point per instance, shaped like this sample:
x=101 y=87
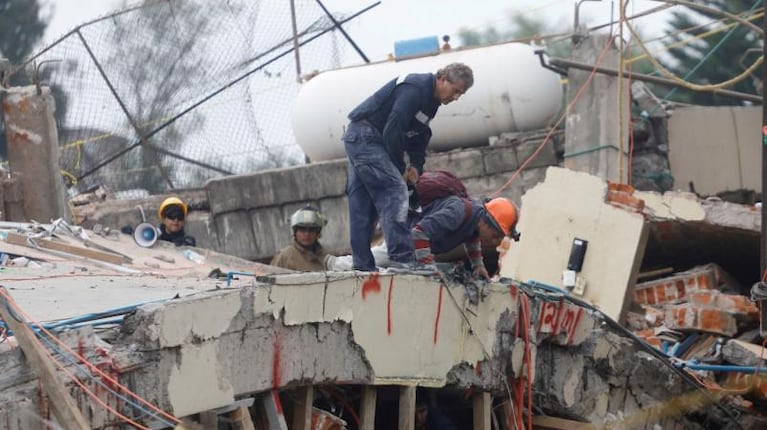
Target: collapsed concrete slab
x=211 y=349
x=312 y=329
x=207 y=351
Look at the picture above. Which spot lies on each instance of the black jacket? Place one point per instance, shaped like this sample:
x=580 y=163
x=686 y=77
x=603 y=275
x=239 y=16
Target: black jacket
x=401 y=111
x=179 y=238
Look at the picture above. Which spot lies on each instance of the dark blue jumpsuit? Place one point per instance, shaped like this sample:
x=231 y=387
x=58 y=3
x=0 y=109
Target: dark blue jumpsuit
x=388 y=124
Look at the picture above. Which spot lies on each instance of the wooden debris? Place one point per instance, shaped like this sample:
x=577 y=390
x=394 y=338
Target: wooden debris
x=63 y=406
x=20 y=239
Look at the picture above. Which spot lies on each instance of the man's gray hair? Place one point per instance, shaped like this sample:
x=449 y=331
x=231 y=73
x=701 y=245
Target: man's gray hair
x=455 y=72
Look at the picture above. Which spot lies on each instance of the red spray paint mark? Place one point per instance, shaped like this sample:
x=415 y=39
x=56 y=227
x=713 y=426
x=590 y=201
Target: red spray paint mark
x=560 y=311
x=545 y=317
x=277 y=402
x=478 y=368
x=439 y=312
x=388 y=306
x=371 y=285
x=575 y=326
x=276 y=371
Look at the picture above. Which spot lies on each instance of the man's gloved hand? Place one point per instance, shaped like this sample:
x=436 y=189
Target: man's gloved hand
x=329 y=262
x=481 y=272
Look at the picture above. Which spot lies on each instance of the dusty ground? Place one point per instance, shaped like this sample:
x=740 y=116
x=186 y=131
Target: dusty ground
x=59 y=286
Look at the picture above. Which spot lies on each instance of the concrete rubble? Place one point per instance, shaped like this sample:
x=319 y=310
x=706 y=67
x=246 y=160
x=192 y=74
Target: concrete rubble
x=618 y=308
x=198 y=339
x=238 y=342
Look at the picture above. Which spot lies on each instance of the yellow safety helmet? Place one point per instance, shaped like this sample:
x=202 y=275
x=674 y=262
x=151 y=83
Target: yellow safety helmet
x=171 y=201
x=504 y=213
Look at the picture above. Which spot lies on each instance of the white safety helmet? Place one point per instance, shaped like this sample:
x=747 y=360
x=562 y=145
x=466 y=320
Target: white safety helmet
x=307 y=216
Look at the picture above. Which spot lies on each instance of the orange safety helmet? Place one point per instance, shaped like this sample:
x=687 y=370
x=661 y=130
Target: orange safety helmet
x=504 y=213
x=171 y=201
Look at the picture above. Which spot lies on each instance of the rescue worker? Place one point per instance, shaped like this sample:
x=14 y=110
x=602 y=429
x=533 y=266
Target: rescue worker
x=305 y=254
x=451 y=221
x=172 y=216
x=391 y=122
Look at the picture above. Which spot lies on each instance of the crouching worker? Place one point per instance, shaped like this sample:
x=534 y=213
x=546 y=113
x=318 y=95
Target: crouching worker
x=453 y=220
x=305 y=254
x=172 y=216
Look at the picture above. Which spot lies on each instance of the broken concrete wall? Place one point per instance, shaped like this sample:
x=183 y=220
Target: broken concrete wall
x=685 y=231
x=597 y=135
x=248 y=215
x=715 y=148
x=371 y=330
x=605 y=379
x=571 y=205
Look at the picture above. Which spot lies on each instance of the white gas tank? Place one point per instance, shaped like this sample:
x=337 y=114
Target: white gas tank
x=511 y=92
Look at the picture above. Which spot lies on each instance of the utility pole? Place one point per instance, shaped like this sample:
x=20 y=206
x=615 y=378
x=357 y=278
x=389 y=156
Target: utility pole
x=295 y=40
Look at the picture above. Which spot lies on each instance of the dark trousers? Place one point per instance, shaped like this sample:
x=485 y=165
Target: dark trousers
x=375 y=189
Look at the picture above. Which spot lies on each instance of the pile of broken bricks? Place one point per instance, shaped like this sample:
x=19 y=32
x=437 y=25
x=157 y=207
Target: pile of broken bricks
x=704 y=322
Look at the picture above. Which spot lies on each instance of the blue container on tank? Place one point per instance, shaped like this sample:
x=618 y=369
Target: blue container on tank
x=416 y=47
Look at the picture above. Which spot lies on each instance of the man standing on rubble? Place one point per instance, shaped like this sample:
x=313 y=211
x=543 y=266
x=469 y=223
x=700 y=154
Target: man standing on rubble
x=391 y=122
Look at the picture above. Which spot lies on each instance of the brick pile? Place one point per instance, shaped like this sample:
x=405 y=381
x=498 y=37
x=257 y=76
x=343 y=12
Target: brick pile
x=696 y=317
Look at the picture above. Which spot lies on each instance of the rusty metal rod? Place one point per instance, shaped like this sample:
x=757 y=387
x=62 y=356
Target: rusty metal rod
x=564 y=63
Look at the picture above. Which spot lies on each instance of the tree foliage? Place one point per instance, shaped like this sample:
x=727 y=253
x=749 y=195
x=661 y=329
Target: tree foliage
x=22 y=24
x=713 y=58
x=518 y=27
x=156 y=67
x=164 y=57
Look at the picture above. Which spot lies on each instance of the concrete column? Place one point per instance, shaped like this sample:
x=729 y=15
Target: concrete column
x=368 y=407
x=13 y=200
x=33 y=151
x=302 y=408
x=406 y=408
x=592 y=143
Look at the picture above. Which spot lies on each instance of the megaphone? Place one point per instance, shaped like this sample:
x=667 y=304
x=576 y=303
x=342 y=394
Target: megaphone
x=145 y=234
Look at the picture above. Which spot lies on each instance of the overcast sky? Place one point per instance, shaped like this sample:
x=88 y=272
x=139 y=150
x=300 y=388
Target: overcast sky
x=377 y=30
